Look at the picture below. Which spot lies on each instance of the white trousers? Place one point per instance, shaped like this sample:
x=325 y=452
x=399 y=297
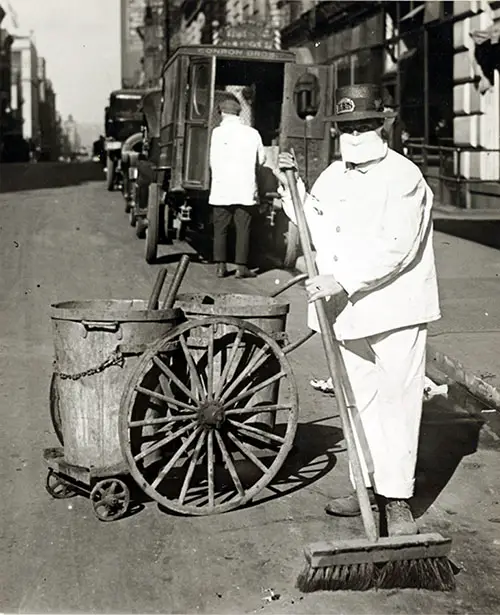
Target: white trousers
x=387 y=375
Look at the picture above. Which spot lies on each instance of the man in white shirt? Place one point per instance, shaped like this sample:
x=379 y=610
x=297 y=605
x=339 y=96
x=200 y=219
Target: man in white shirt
x=369 y=216
x=236 y=151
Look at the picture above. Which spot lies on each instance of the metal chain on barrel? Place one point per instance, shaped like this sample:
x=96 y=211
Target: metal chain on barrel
x=117 y=357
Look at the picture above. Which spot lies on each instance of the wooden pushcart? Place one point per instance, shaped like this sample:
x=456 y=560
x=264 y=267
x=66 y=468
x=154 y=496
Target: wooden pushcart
x=197 y=406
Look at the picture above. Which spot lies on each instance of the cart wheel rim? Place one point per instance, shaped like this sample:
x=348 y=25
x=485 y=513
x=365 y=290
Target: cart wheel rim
x=57 y=487
x=188 y=426
x=110 y=499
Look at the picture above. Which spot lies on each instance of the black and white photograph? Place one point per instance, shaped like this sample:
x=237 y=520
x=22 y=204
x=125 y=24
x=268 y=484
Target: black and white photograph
x=250 y=307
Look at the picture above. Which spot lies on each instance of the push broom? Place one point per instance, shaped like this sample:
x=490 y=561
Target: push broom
x=417 y=561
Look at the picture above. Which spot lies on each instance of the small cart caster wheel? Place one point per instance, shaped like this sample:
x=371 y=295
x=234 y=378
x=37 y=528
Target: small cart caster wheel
x=110 y=499
x=57 y=487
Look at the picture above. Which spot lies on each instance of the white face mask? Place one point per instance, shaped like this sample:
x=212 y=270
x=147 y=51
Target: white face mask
x=362 y=148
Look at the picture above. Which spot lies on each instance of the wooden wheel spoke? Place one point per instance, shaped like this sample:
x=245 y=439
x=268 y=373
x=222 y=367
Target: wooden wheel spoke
x=166 y=398
x=168 y=372
x=163 y=442
x=258 y=360
x=210 y=468
x=258 y=409
x=210 y=365
x=247 y=452
x=165 y=388
x=180 y=451
x=229 y=464
x=255 y=389
x=162 y=420
x=191 y=467
x=265 y=436
x=195 y=377
x=229 y=364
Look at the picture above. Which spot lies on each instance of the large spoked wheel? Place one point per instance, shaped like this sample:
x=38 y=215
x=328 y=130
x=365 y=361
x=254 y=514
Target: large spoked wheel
x=153 y=227
x=202 y=425
x=110 y=499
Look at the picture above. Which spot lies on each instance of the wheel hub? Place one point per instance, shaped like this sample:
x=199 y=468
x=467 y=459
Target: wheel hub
x=211 y=415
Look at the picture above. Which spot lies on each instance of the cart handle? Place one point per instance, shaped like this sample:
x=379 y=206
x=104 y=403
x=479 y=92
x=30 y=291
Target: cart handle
x=289 y=284
x=307 y=336
x=90 y=325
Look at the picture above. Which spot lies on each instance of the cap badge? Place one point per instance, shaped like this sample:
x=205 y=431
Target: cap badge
x=345 y=105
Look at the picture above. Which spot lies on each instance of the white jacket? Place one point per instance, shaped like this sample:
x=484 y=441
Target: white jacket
x=235 y=152
x=372 y=229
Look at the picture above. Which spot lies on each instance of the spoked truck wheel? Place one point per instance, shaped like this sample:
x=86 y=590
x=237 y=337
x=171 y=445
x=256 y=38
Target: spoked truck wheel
x=110 y=173
x=190 y=427
x=153 y=225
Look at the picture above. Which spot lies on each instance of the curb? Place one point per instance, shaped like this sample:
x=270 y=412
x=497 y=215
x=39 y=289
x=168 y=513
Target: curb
x=479 y=388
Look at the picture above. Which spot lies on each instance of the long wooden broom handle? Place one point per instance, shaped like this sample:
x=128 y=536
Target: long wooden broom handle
x=179 y=274
x=336 y=366
x=155 y=294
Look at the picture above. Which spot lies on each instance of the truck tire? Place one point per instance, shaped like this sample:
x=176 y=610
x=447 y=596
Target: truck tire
x=110 y=174
x=153 y=226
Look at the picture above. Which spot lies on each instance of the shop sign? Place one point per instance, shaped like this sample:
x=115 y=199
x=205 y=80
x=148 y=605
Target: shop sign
x=256 y=35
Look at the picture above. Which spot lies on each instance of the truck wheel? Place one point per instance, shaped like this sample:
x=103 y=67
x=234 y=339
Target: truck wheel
x=110 y=174
x=153 y=227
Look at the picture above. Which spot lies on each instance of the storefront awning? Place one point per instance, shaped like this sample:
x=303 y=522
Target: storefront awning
x=491 y=34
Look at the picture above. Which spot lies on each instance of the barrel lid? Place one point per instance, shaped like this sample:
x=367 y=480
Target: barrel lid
x=240 y=305
x=111 y=310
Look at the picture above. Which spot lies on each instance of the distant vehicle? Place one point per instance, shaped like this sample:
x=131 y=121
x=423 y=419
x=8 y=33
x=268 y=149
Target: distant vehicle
x=98 y=151
x=122 y=119
x=281 y=95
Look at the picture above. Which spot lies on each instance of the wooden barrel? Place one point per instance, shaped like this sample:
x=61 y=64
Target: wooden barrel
x=97 y=344
x=265 y=312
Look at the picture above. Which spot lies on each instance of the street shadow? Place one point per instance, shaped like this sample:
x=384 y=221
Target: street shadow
x=17 y=177
x=312 y=457
x=484 y=232
x=448 y=433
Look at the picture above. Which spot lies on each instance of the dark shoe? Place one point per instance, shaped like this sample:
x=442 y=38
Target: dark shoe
x=348 y=506
x=221 y=270
x=244 y=272
x=400 y=521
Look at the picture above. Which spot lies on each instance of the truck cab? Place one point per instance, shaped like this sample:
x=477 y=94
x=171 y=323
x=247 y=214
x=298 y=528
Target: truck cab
x=123 y=118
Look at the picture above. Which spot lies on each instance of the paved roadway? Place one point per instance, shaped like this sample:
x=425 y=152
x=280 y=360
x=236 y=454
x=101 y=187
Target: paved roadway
x=74 y=243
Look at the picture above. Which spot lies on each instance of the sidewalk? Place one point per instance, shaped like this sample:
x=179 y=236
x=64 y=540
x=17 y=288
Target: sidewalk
x=465 y=343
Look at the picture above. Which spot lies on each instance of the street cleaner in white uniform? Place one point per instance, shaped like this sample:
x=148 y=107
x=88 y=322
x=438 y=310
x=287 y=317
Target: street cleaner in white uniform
x=369 y=216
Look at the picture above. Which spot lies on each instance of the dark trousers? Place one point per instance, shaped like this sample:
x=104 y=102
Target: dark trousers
x=223 y=215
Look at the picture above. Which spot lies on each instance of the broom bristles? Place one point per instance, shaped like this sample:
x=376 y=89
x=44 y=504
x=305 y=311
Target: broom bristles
x=433 y=573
